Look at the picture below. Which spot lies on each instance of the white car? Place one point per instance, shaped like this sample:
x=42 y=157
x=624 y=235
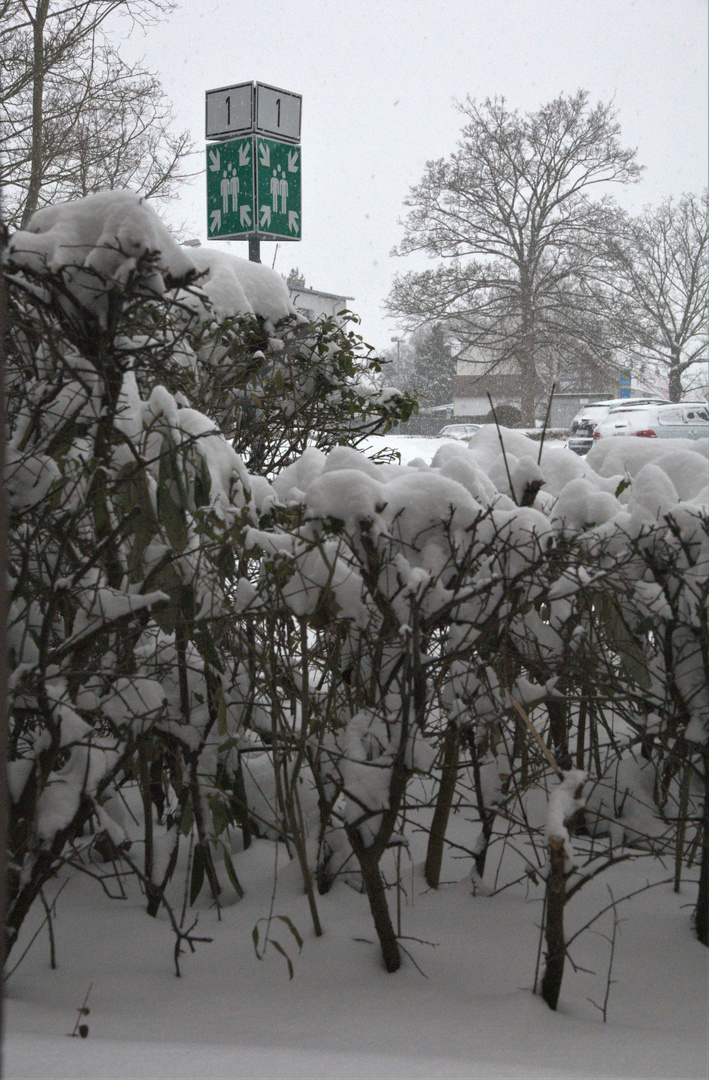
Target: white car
x=584 y=423
x=458 y=431
x=686 y=420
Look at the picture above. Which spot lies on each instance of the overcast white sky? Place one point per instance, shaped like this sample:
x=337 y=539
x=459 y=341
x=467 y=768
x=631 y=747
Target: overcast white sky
x=380 y=78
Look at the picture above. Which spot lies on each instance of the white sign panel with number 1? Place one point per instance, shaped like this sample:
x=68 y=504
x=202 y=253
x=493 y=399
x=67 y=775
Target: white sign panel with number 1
x=278 y=112
x=230 y=111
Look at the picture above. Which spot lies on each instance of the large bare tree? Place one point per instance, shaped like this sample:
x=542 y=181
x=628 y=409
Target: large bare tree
x=512 y=216
x=661 y=261
x=75 y=117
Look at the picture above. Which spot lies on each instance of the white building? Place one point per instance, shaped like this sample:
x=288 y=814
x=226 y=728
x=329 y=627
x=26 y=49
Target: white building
x=315 y=304
x=476 y=378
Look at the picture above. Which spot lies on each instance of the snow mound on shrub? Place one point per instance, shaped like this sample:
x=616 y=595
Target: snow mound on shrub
x=100 y=236
x=105 y=234
x=626 y=454
x=235 y=286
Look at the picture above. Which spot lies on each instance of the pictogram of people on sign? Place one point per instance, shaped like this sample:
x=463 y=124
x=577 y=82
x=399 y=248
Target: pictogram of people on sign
x=229 y=189
x=279 y=190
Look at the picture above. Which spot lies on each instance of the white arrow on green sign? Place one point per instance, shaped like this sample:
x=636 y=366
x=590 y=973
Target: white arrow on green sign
x=230 y=189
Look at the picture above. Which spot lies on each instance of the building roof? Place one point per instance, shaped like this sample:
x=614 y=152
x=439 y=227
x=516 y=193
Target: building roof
x=500 y=384
x=301 y=291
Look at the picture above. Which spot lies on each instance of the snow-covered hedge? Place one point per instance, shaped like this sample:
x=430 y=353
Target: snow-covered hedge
x=272 y=633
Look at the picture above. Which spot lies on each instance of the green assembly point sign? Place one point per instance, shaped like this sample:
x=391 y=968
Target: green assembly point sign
x=230 y=189
x=277 y=207
x=253 y=189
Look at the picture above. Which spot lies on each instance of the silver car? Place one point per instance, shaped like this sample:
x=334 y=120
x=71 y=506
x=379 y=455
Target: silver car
x=686 y=420
x=584 y=423
x=458 y=431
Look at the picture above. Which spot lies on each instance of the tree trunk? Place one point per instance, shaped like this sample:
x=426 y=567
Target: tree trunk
x=446 y=790
x=486 y=815
x=153 y=893
x=559 y=730
x=376 y=895
x=4 y=731
x=675 y=375
x=368 y=857
x=527 y=357
x=554 y=928
x=294 y=817
x=35 y=179
x=581 y=732
x=702 y=910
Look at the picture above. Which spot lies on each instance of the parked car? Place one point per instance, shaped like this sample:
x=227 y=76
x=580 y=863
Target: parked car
x=584 y=423
x=686 y=420
x=458 y=431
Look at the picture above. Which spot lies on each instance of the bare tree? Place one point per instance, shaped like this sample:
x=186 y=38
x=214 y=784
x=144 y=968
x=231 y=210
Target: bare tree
x=401 y=365
x=512 y=218
x=75 y=117
x=661 y=261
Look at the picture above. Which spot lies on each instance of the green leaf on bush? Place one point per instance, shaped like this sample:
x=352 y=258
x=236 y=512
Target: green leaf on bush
x=172 y=518
x=279 y=948
x=231 y=874
x=198 y=864
x=221 y=818
x=208 y=650
x=187 y=821
x=293 y=929
x=202 y=485
x=167 y=580
x=221 y=715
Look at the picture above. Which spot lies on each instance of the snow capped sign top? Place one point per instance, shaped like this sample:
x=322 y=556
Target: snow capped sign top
x=253 y=107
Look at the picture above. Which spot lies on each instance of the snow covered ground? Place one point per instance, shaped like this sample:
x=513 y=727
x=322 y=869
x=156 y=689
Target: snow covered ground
x=469 y=1012
x=461 y=1006
x=411 y=447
